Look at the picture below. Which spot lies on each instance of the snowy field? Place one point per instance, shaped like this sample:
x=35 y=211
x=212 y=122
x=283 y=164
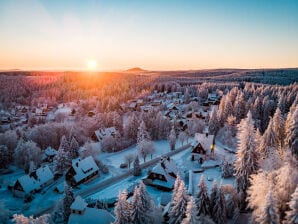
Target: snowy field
x=114 y=160
x=183 y=162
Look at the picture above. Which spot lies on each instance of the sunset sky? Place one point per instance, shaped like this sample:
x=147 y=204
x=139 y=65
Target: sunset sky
x=156 y=35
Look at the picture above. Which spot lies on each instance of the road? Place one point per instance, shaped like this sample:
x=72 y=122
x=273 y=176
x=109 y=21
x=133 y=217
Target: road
x=106 y=183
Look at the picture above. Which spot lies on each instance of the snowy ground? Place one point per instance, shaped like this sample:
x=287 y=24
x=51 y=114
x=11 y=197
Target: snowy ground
x=183 y=161
x=114 y=160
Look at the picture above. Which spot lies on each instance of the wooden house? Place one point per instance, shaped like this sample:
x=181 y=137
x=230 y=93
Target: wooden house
x=163 y=175
x=82 y=170
x=202 y=144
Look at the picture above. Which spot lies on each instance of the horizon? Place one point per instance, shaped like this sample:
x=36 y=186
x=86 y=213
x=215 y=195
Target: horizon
x=156 y=36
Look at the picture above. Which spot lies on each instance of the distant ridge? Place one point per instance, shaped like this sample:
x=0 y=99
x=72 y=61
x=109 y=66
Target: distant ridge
x=136 y=69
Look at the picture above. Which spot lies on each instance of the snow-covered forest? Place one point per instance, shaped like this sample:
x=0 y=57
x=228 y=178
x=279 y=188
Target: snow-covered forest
x=217 y=146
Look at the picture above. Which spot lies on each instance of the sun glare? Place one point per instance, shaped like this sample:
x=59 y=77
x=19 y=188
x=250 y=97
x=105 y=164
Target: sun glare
x=91 y=64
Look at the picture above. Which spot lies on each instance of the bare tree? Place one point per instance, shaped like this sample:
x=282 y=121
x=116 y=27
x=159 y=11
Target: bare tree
x=129 y=158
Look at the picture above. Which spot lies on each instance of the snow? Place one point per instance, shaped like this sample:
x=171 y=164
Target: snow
x=92 y=216
x=79 y=204
x=115 y=159
x=83 y=168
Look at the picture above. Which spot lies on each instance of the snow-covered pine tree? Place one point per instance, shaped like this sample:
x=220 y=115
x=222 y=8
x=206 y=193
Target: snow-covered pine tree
x=292 y=214
x=172 y=139
x=292 y=132
x=202 y=198
x=139 y=214
x=68 y=199
x=73 y=148
x=177 y=210
x=270 y=214
x=64 y=143
x=137 y=171
x=213 y=122
x=191 y=212
x=279 y=127
x=142 y=133
x=269 y=142
x=213 y=197
x=131 y=127
x=147 y=202
x=247 y=156
x=61 y=160
x=219 y=210
x=122 y=209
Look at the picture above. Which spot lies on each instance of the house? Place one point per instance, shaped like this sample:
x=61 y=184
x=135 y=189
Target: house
x=80 y=213
x=156 y=103
x=33 y=182
x=163 y=175
x=102 y=133
x=201 y=145
x=82 y=170
x=133 y=105
x=49 y=154
x=213 y=98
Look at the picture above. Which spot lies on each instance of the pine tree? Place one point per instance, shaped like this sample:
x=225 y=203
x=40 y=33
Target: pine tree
x=269 y=142
x=292 y=214
x=64 y=144
x=73 y=148
x=68 y=199
x=122 y=209
x=131 y=127
x=278 y=126
x=172 y=139
x=213 y=122
x=177 y=210
x=202 y=198
x=136 y=167
x=219 y=210
x=146 y=199
x=213 y=197
x=142 y=133
x=191 y=212
x=62 y=160
x=247 y=156
x=270 y=212
x=292 y=132
x=138 y=212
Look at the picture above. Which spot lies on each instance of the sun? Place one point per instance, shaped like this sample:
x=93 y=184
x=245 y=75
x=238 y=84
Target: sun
x=91 y=64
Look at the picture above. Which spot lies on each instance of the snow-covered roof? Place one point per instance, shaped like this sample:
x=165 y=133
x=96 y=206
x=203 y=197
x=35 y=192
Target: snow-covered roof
x=100 y=134
x=79 y=204
x=33 y=182
x=83 y=168
x=205 y=140
x=165 y=168
x=92 y=216
x=44 y=174
x=28 y=183
x=49 y=151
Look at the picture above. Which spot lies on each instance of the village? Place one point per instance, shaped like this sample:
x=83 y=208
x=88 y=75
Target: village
x=200 y=155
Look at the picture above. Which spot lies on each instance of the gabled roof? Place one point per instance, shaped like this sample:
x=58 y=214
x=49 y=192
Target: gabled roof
x=206 y=140
x=83 y=168
x=28 y=183
x=49 y=151
x=100 y=134
x=44 y=174
x=166 y=167
x=79 y=204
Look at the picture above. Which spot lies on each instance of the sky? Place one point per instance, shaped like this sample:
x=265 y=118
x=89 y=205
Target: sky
x=154 y=35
